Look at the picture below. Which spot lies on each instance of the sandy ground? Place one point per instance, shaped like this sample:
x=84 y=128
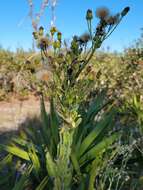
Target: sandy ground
x=15 y=112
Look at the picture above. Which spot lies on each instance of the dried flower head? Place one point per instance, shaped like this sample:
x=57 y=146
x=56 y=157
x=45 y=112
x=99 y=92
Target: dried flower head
x=61 y=55
x=34 y=24
x=113 y=19
x=89 y=15
x=125 y=11
x=84 y=38
x=43 y=75
x=102 y=13
x=27 y=62
x=43 y=43
x=89 y=69
x=140 y=62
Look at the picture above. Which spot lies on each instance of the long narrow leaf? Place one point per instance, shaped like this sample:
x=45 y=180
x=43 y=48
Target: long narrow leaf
x=94 y=133
x=43 y=184
x=50 y=165
x=20 y=185
x=75 y=164
x=45 y=123
x=54 y=121
x=35 y=160
x=16 y=151
x=103 y=145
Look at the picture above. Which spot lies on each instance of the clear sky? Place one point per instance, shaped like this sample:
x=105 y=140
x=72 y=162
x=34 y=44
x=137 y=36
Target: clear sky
x=16 y=30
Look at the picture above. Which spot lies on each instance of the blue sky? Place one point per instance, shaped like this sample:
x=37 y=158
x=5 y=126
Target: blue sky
x=16 y=30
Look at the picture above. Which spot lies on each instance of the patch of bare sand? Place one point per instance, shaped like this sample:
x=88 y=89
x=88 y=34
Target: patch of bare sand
x=15 y=112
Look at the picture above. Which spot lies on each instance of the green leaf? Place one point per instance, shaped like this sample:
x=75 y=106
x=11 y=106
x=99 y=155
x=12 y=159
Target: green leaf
x=88 y=117
x=20 y=185
x=20 y=141
x=35 y=160
x=94 y=172
x=43 y=184
x=77 y=143
x=97 y=105
x=75 y=164
x=50 y=165
x=100 y=147
x=54 y=121
x=5 y=179
x=15 y=151
x=100 y=126
x=5 y=161
x=46 y=133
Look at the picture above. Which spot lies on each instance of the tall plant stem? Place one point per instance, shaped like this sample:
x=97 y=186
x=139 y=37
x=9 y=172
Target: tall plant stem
x=64 y=169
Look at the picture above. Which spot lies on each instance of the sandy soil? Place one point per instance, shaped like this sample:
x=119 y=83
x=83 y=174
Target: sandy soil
x=15 y=112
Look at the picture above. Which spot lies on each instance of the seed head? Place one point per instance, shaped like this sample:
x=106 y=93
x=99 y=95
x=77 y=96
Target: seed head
x=84 y=38
x=102 y=13
x=44 y=43
x=89 y=15
x=125 y=11
x=27 y=62
x=61 y=55
x=89 y=69
x=112 y=19
x=45 y=77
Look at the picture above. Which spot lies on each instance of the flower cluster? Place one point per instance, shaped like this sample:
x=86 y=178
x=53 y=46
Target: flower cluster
x=107 y=23
x=45 y=41
x=82 y=48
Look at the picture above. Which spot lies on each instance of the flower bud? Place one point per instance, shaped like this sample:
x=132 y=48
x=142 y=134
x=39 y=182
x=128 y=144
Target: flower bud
x=74 y=46
x=56 y=44
x=125 y=11
x=89 y=15
x=35 y=35
x=53 y=30
x=41 y=31
x=59 y=36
